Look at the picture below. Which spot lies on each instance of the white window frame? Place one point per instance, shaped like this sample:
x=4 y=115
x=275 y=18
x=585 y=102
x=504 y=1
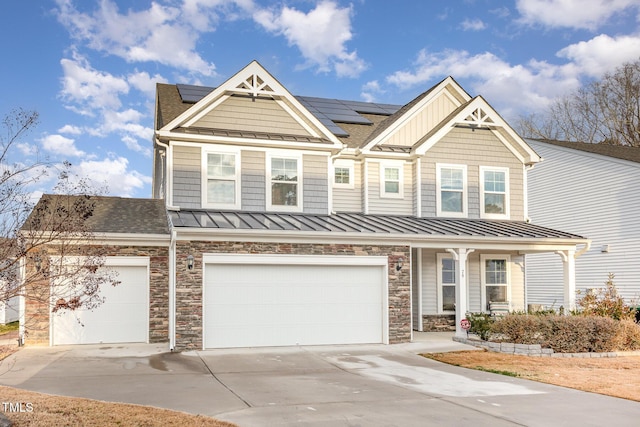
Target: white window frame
x=439 y=297
x=465 y=198
x=489 y=215
x=299 y=199
x=392 y=165
x=483 y=278
x=344 y=164
x=205 y=177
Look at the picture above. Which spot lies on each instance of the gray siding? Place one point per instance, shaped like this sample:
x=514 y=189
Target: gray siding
x=349 y=199
x=315 y=190
x=389 y=205
x=473 y=148
x=253 y=185
x=187 y=180
x=593 y=196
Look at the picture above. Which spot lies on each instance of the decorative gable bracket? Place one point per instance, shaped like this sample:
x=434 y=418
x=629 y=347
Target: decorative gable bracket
x=254 y=85
x=479 y=117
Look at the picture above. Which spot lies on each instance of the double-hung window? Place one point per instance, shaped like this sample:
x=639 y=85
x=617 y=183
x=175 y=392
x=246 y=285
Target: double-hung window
x=391 y=180
x=495 y=278
x=221 y=182
x=343 y=174
x=446 y=283
x=452 y=190
x=494 y=192
x=284 y=191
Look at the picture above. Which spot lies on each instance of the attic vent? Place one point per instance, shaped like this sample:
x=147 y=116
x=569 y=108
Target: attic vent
x=254 y=85
x=478 y=117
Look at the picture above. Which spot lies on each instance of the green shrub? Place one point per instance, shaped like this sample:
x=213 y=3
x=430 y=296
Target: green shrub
x=480 y=324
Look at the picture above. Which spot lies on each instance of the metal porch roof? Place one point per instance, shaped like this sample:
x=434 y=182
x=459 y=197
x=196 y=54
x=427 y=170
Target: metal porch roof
x=365 y=224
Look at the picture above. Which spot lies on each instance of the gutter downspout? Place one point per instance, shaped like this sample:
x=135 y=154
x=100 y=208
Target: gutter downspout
x=165 y=175
x=172 y=291
x=586 y=248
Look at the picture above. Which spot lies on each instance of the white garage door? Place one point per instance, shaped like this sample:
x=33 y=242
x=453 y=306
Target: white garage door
x=122 y=318
x=294 y=300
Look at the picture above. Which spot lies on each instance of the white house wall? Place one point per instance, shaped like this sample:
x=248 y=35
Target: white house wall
x=593 y=196
x=350 y=199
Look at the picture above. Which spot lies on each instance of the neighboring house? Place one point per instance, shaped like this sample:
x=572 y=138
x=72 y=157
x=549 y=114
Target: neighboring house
x=300 y=220
x=9 y=310
x=591 y=190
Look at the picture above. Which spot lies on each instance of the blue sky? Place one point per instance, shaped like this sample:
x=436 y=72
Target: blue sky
x=90 y=67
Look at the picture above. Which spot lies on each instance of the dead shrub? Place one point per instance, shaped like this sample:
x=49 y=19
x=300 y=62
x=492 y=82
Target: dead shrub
x=628 y=336
x=578 y=334
x=520 y=328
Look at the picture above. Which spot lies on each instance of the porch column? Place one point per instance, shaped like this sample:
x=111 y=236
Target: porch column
x=460 y=255
x=569 y=279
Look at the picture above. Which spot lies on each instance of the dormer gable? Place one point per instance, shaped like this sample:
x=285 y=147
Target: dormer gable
x=478 y=114
x=254 y=103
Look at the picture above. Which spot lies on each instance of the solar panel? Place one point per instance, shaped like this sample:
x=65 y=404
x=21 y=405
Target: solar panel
x=192 y=93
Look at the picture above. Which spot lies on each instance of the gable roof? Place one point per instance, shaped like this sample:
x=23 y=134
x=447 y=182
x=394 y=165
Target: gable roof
x=622 y=152
x=109 y=214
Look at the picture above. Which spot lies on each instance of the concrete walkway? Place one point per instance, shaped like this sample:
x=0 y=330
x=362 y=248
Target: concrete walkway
x=358 y=385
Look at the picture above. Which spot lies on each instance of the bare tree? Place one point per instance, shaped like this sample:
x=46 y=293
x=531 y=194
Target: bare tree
x=604 y=111
x=48 y=251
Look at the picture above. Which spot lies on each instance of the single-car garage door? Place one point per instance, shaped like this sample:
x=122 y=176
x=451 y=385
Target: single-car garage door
x=254 y=300
x=122 y=318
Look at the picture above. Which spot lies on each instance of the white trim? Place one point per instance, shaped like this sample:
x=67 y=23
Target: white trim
x=343 y=164
x=299 y=182
x=169 y=183
x=206 y=111
x=419 y=284
x=297 y=118
x=418 y=172
x=204 y=175
x=365 y=185
x=483 y=278
x=388 y=164
x=317 y=260
x=507 y=190
x=439 y=284
x=465 y=192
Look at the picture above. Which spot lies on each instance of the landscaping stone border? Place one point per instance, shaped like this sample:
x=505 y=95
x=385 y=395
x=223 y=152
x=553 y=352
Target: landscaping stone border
x=535 y=350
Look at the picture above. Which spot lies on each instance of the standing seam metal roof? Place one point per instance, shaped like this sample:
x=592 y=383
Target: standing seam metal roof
x=361 y=223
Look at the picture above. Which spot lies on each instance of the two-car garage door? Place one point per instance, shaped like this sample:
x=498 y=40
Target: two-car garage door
x=280 y=300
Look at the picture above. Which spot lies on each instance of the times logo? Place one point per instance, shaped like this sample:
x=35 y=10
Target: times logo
x=17 y=406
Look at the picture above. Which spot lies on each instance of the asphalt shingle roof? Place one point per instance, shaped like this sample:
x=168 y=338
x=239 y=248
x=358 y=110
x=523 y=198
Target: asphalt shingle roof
x=623 y=152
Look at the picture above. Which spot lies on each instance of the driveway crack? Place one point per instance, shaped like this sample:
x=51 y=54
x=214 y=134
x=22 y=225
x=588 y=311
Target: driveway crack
x=223 y=384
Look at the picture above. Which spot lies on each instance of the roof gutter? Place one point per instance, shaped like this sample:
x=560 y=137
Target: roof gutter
x=172 y=291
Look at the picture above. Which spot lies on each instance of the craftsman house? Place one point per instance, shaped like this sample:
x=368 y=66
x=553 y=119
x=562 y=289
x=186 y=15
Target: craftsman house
x=302 y=220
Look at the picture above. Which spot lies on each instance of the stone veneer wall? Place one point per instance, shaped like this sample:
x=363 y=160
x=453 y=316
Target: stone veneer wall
x=438 y=322
x=189 y=283
x=37 y=310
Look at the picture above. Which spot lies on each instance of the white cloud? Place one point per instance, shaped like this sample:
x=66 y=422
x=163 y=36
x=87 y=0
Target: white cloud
x=70 y=130
x=58 y=144
x=110 y=171
x=588 y=14
x=602 y=53
x=137 y=36
x=321 y=36
x=370 y=90
x=473 y=25
x=90 y=89
x=535 y=83
x=145 y=83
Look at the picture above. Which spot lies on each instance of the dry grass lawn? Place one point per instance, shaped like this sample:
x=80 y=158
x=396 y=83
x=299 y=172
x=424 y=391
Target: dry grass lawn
x=616 y=376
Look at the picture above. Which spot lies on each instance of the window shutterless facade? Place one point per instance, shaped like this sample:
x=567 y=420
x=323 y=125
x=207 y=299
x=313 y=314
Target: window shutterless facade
x=391 y=180
x=451 y=196
x=494 y=197
x=284 y=189
x=446 y=270
x=495 y=278
x=343 y=174
x=222 y=183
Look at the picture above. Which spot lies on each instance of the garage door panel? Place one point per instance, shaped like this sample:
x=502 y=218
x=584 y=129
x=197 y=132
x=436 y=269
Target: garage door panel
x=273 y=305
x=122 y=318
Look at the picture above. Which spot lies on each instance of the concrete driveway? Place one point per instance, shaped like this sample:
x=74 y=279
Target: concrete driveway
x=362 y=385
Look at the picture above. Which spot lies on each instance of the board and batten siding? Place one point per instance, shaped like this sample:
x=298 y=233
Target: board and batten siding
x=315 y=189
x=423 y=122
x=596 y=197
x=350 y=199
x=390 y=205
x=253 y=176
x=474 y=148
x=251 y=114
x=187 y=177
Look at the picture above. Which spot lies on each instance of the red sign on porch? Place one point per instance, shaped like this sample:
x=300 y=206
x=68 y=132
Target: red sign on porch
x=465 y=324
